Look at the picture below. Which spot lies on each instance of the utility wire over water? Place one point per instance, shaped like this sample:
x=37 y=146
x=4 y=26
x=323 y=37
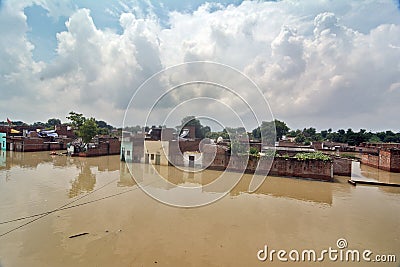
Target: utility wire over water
x=43 y=214
x=67 y=206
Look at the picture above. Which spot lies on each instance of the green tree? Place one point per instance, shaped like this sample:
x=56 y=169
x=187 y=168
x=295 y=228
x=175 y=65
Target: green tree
x=104 y=128
x=310 y=132
x=77 y=119
x=300 y=138
x=256 y=133
x=271 y=131
x=324 y=134
x=88 y=130
x=292 y=133
x=53 y=122
x=39 y=124
x=281 y=129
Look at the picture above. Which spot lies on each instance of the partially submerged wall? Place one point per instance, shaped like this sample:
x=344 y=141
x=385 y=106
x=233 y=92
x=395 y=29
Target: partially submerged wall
x=342 y=166
x=32 y=144
x=311 y=168
x=110 y=147
x=388 y=160
x=370 y=160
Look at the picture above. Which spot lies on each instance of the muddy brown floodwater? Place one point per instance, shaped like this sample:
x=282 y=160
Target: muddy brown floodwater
x=46 y=199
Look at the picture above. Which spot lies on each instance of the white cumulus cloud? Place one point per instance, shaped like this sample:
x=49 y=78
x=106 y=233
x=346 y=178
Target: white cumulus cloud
x=319 y=63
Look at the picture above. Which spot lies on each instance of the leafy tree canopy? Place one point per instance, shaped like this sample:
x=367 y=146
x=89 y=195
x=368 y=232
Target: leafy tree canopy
x=88 y=130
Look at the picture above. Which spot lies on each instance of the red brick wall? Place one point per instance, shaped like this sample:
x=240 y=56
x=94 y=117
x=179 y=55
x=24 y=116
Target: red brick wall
x=370 y=160
x=384 y=160
x=342 y=166
x=115 y=146
x=55 y=146
x=395 y=161
x=215 y=157
x=94 y=152
x=237 y=163
x=192 y=131
x=33 y=144
x=189 y=145
x=61 y=130
x=110 y=147
x=30 y=145
x=314 y=169
x=388 y=160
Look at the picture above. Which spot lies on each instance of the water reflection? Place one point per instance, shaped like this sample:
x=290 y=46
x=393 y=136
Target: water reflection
x=80 y=171
x=304 y=190
x=26 y=160
x=84 y=174
x=364 y=172
x=84 y=183
x=3 y=159
x=34 y=159
x=125 y=177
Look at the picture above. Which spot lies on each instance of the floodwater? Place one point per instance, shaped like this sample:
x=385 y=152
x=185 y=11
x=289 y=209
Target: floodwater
x=46 y=199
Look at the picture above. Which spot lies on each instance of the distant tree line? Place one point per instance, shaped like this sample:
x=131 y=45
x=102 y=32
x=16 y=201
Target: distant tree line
x=348 y=136
x=308 y=135
x=45 y=125
x=279 y=129
x=270 y=131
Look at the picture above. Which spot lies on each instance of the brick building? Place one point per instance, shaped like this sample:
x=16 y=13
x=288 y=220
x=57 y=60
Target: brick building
x=387 y=159
x=103 y=146
x=219 y=158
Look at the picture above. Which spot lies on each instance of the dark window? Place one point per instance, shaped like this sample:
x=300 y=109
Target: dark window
x=128 y=152
x=152 y=156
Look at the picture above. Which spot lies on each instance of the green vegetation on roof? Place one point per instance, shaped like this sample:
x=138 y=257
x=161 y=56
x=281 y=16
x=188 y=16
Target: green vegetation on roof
x=313 y=155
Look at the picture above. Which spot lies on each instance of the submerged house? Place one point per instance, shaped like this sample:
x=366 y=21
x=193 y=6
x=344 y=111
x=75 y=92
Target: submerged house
x=162 y=146
x=34 y=140
x=30 y=138
x=3 y=141
x=101 y=146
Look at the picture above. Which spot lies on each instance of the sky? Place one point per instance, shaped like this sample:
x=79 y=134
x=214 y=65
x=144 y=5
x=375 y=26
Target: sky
x=324 y=64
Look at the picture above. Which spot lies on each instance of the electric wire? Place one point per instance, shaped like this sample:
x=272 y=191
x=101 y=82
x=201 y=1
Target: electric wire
x=52 y=211
x=67 y=206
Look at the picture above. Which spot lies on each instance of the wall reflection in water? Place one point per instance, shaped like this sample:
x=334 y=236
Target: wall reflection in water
x=84 y=174
x=299 y=189
x=364 y=172
x=83 y=182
